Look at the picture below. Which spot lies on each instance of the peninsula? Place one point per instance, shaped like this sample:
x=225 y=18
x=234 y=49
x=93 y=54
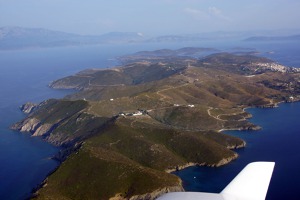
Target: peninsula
x=128 y=127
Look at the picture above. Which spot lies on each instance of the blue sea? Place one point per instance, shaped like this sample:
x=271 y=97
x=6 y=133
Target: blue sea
x=25 y=161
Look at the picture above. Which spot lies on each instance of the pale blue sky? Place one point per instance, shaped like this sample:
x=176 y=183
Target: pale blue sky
x=151 y=16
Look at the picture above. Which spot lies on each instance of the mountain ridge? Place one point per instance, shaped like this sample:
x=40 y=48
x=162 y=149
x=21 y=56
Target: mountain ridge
x=21 y=38
x=18 y=38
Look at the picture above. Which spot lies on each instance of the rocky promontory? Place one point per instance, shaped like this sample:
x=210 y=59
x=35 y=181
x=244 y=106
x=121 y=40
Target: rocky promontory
x=28 y=107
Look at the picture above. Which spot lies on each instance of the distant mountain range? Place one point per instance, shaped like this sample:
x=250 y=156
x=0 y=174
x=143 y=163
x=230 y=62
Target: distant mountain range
x=274 y=38
x=20 y=38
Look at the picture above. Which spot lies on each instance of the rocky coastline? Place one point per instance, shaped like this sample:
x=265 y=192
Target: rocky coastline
x=187 y=103
x=150 y=196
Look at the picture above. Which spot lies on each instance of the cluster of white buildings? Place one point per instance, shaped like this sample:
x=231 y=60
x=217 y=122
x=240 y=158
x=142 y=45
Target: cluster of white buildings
x=137 y=113
x=276 y=67
x=189 y=105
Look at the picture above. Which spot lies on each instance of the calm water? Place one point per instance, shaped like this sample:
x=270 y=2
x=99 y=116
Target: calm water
x=25 y=161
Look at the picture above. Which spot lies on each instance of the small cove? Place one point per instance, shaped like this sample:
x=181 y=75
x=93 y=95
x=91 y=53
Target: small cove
x=278 y=141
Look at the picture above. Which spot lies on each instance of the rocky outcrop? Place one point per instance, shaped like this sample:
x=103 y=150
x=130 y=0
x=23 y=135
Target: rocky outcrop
x=221 y=162
x=28 y=107
x=181 y=167
x=150 y=196
x=33 y=126
x=250 y=127
x=224 y=161
x=253 y=128
x=43 y=129
x=237 y=146
x=155 y=194
x=27 y=125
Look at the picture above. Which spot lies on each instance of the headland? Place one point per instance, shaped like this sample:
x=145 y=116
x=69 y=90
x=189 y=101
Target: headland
x=128 y=126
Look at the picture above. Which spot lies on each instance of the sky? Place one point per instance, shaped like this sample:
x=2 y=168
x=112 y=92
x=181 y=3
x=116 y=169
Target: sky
x=152 y=17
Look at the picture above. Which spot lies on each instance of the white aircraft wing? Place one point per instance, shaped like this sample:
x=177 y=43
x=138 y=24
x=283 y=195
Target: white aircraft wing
x=191 y=196
x=250 y=184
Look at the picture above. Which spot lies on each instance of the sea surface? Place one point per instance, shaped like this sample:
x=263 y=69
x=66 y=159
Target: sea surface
x=25 y=161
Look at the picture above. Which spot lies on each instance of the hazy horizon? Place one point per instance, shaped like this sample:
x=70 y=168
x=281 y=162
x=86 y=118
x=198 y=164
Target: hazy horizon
x=156 y=17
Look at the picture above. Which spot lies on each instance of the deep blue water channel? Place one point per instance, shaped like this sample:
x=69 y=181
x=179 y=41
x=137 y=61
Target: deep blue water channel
x=278 y=141
x=25 y=161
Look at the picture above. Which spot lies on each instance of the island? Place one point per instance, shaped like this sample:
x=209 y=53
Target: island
x=273 y=38
x=127 y=128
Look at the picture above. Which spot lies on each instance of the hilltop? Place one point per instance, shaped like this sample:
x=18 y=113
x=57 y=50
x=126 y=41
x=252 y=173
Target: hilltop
x=127 y=127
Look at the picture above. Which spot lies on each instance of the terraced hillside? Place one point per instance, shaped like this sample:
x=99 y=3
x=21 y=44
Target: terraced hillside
x=127 y=127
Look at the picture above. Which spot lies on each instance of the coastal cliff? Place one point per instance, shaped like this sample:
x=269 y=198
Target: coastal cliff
x=150 y=196
x=128 y=127
x=28 y=107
